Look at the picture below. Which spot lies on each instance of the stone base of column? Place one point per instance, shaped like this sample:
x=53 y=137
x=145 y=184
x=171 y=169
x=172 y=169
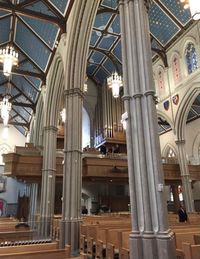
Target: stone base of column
x=151 y=246
x=45 y=227
x=70 y=235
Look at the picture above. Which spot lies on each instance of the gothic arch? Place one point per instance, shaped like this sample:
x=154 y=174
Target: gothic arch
x=38 y=121
x=54 y=91
x=185 y=42
x=196 y=147
x=165 y=117
x=166 y=149
x=183 y=47
x=183 y=110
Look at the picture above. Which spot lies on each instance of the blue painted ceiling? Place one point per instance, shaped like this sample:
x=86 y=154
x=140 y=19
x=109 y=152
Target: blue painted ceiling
x=34 y=27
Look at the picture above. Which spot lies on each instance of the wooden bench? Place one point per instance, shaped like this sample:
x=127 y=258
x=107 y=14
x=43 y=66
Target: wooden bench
x=27 y=248
x=16 y=235
x=48 y=254
x=191 y=251
x=39 y=251
x=93 y=233
x=185 y=237
x=105 y=236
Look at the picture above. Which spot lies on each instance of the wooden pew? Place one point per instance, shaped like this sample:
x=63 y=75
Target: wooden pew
x=179 y=254
x=16 y=235
x=188 y=237
x=191 y=251
x=125 y=245
x=51 y=254
x=115 y=242
x=93 y=230
x=39 y=251
x=103 y=238
x=26 y=248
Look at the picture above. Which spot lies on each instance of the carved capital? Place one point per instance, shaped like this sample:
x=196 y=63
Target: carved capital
x=180 y=142
x=74 y=91
x=50 y=128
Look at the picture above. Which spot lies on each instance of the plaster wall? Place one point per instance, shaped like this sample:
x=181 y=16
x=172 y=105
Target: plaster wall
x=13 y=187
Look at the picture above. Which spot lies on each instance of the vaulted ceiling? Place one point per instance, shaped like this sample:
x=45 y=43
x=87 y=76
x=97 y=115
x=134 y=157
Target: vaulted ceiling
x=34 y=28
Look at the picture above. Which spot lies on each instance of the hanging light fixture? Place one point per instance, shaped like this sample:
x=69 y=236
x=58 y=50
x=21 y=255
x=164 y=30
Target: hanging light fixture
x=195 y=9
x=9 y=58
x=115 y=82
x=194 y=6
x=5 y=107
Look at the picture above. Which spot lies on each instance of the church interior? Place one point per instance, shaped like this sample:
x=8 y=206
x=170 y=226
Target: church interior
x=99 y=129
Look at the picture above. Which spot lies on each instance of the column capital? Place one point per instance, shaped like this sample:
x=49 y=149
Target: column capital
x=126 y=97
x=146 y=2
x=180 y=142
x=74 y=91
x=50 y=128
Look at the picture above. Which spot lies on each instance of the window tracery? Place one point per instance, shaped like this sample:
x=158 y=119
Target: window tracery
x=191 y=58
x=176 y=69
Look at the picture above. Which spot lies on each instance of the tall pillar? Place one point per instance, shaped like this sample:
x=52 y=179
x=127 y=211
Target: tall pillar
x=185 y=176
x=48 y=180
x=72 y=177
x=33 y=204
x=150 y=237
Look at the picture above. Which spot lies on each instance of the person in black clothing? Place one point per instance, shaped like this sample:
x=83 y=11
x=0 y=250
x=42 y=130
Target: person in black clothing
x=103 y=149
x=182 y=214
x=84 y=210
x=116 y=149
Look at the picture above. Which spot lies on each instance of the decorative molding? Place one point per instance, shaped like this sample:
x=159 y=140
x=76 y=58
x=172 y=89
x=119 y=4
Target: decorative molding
x=74 y=91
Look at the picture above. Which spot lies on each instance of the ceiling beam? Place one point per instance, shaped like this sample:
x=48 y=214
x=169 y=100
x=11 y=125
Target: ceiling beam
x=14 y=97
x=24 y=105
x=20 y=115
x=30 y=60
x=18 y=71
x=35 y=34
x=13 y=84
x=27 y=2
x=15 y=123
x=32 y=14
x=54 y=10
x=169 y=14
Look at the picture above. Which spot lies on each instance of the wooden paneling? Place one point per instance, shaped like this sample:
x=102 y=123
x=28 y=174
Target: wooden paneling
x=113 y=166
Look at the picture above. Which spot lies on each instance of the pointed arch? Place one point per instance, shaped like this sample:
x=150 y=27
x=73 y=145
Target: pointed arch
x=176 y=67
x=54 y=92
x=165 y=117
x=39 y=120
x=184 y=108
x=167 y=148
x=196 y=148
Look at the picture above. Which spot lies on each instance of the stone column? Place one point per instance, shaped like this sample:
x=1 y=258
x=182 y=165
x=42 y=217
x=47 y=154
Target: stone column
x=48 y=180
x=151 y=237
x=185 y=176
x=176 y=197
x=72 y=176
x=33 y=204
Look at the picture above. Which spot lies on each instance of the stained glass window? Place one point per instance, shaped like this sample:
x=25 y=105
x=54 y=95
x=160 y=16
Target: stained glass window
x=176 y=69
x=161 y=82
x=191 y=58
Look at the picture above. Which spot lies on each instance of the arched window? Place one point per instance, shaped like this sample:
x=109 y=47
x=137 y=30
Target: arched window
x=161 y=82
x=191 y=58
x=85 y=128
x=176 y=69
x=171 y=153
